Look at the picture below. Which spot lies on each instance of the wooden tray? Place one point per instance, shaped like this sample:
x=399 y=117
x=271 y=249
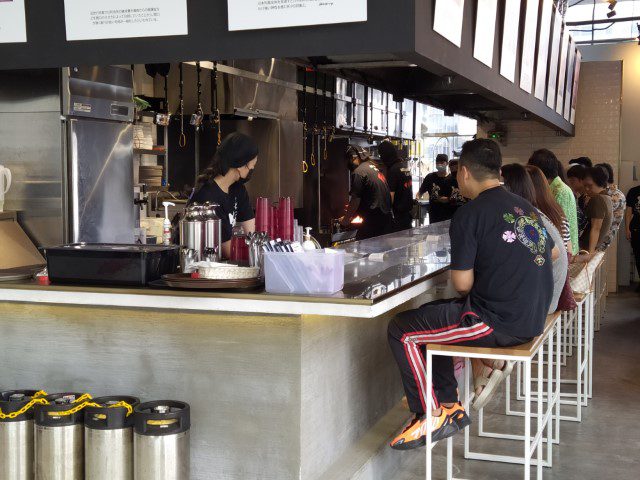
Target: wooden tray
x=184 y=280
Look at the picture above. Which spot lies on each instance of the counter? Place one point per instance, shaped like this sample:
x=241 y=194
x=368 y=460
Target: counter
x=281 y=387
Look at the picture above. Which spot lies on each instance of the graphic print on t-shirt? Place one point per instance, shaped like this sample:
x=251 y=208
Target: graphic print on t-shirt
x=527 y=231
x=233 y=216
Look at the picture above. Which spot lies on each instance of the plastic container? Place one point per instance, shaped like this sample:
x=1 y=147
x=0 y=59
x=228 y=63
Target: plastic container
x=316 y=272
x=111 y=264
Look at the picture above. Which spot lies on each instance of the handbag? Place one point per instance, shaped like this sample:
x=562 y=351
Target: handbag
x=581 y=274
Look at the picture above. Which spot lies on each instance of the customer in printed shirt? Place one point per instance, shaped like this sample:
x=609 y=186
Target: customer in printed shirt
x=501 y=265
x=599 y=211
x=618 y=201
x=546 y=161
x=632 y=222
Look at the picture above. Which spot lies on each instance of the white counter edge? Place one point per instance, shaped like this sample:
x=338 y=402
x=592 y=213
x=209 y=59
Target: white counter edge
x=208 y=304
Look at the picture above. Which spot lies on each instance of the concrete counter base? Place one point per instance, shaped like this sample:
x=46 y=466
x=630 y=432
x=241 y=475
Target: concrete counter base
x=273 y=397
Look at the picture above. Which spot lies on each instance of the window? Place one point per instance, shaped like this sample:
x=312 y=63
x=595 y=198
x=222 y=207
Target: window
x=588 y=11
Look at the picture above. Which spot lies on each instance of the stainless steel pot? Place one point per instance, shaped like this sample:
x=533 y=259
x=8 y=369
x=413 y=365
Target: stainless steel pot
x=16 y=436
x=108 y=439
x=59 y=439
x=161 y=441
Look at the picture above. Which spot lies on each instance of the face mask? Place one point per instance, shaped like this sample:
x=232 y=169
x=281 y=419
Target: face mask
x=242 y=181
x=441 y=168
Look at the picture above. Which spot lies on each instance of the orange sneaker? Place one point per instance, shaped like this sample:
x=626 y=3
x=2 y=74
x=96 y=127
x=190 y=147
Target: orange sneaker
x=458 y=415
x=414 y=434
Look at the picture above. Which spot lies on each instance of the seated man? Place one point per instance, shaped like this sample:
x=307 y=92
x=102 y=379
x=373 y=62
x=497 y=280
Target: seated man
x=501 y=264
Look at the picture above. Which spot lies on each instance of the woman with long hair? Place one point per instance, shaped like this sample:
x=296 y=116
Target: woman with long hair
x=519 y=181
x=223 y=183
x=547 y=204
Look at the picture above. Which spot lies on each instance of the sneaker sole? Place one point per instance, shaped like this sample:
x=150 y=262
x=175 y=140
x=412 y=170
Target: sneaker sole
x=442 y=434
x=463 y=422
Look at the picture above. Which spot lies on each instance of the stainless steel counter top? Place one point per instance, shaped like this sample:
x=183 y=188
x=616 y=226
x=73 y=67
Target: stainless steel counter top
x=380 y=274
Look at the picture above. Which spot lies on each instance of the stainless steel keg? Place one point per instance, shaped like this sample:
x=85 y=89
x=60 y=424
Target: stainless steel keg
x=108 y=439
x=16 y=435
x=59 y=439
x=161 y=441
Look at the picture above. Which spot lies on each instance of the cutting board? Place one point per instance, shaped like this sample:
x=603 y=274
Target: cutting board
x=16 y=250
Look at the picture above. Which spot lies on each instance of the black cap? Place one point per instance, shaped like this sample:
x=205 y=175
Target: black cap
x=45 y=415
x=107 y=417
x=9 y=405
x=162 y=417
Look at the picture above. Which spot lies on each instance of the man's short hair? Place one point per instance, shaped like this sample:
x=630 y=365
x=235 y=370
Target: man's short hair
x=442 y=158
x=584 y=161
x=609 y=169
x=546 y=161
x=482 y=158
x=577 y=171
x=598 y=175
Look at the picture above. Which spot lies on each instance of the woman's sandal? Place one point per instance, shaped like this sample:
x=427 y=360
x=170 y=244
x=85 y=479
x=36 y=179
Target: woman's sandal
x=488 y=385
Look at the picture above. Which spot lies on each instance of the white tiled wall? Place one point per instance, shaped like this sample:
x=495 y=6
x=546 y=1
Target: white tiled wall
x=597 y=127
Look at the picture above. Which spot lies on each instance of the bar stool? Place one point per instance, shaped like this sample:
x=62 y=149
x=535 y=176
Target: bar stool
x=524 y=354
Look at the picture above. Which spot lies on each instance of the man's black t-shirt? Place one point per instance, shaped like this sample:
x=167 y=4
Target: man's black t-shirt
x=633 y=202
x=437 y=187
x=399 y=179
x=370 y=185
x=234 y=207
x=500 y=236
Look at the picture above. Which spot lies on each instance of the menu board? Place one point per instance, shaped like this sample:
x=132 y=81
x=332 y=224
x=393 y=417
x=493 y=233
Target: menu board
x=261 y=14
x=543 y=49
x=570 y=72
x=13 y=27
x=562 y=70
x=529 y=45
x=447 y=20
x=576 y=84
x=510 y=40
x=485 y=31
x=553 y=64
x=101 y=19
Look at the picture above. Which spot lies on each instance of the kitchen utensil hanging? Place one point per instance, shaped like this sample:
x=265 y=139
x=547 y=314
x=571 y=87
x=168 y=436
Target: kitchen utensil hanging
x=214 y=118
x=163 y=118
x=183 y=139
x=325 y=130
x=314 y=130
x=198 y=116
x=305 y=165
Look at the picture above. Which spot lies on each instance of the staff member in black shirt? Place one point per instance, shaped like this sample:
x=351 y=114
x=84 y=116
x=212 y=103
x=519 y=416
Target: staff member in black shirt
x=439 y=186
x=501 y=265
x=632 y=223
x=399 y=180
x=223 y=183
x=370 y=196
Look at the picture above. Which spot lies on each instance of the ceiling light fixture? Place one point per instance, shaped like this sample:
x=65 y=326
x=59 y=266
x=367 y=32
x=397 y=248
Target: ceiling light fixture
x=612 y=4
x=611 y=14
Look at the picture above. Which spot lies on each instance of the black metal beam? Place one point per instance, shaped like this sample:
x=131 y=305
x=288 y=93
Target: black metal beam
x=603 y=21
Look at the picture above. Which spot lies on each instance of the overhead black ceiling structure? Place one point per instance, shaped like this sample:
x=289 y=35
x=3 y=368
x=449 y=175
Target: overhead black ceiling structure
x=396 y=50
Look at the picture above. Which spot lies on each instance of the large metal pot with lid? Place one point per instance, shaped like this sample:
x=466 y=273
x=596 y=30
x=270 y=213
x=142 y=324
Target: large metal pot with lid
x=16 y=434
x=108 y=438
x=161 y=441
x=59 y=438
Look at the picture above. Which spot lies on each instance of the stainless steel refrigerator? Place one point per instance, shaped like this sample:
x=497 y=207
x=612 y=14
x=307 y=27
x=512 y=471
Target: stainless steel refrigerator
x=98 y=110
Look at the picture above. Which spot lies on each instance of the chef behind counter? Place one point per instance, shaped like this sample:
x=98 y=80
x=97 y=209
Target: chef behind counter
x=223 y=183
x=370 y=195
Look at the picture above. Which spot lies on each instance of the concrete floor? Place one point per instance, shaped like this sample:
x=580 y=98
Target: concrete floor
x=606 y=445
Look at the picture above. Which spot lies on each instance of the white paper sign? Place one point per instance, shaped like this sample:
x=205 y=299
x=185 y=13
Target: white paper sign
x=510 y=40
x=543 y=49
x=261 y=14
x=13 y=27
x=576 y=83
x=553 y=62
x=447 y=20
x=570 y=73
x=562 y=69
x=529 y=46
x=101 y=19
x=485 y=31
